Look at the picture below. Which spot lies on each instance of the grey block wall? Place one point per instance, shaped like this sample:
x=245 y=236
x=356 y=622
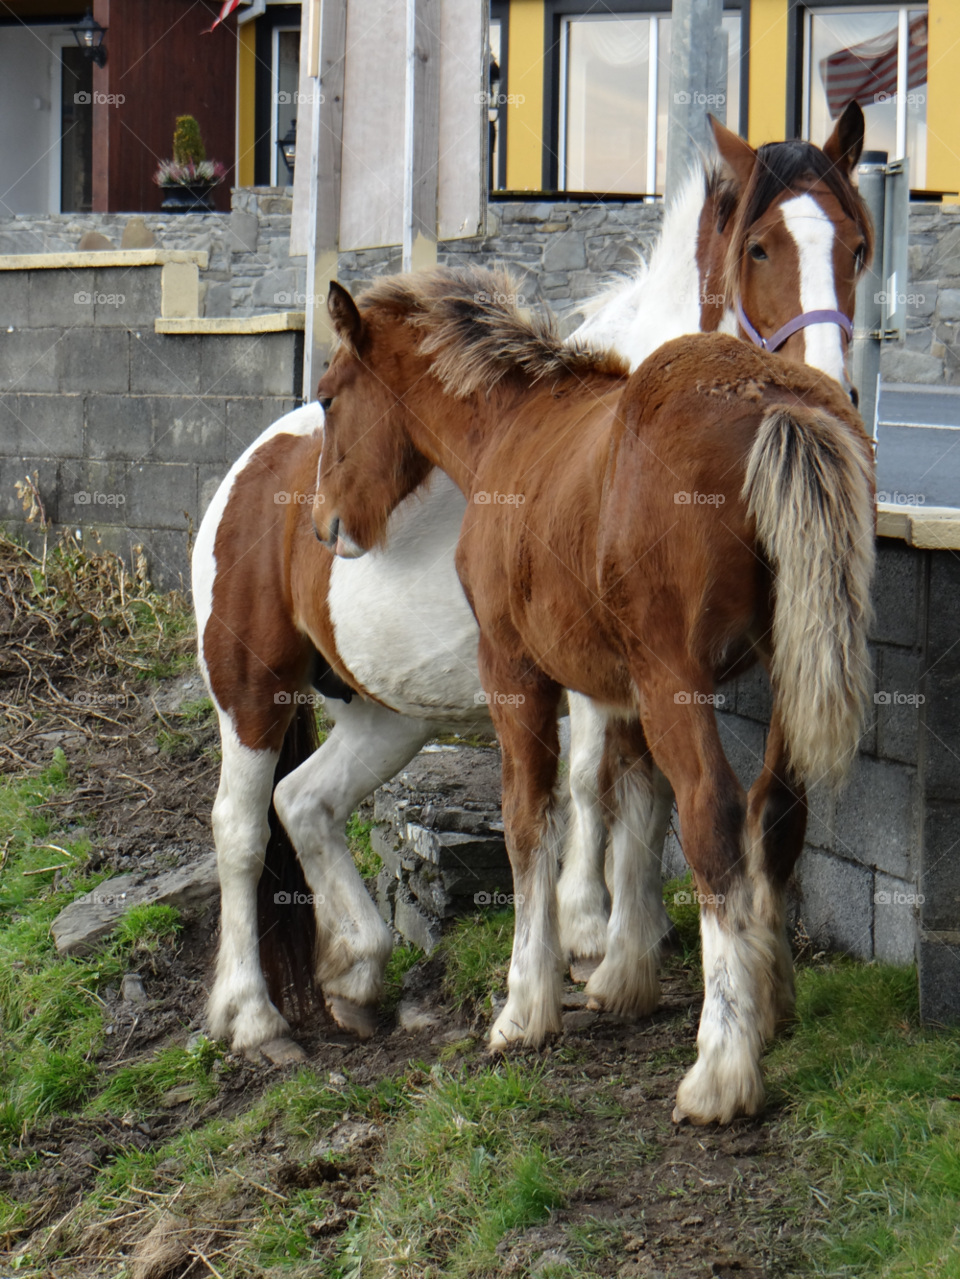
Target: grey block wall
x=129 y=431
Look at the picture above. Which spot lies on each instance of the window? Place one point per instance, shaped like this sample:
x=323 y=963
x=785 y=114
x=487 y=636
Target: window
x=286 y=87
x=879 y=57
x=614 y=90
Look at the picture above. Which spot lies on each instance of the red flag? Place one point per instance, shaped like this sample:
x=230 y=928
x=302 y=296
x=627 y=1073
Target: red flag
x=865 y=70
x=225 y=11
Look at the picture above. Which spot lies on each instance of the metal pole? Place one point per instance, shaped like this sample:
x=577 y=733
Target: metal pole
x=869 y=314
x=694 y=39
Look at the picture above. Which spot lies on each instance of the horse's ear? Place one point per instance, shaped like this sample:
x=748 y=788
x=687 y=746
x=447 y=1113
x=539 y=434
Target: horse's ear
x=845 y=143
x=343 y=312
x=739 y=155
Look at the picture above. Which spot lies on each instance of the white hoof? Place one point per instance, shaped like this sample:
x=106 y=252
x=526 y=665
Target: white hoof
x=359 y=1020
x=283 y=1052
x=531 y=1028
x=627 y=988
x=583 y=969
x=720 y=1091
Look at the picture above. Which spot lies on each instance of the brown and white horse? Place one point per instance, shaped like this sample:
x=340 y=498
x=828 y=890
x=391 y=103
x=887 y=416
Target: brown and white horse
x=390 y=641
x=604 y=580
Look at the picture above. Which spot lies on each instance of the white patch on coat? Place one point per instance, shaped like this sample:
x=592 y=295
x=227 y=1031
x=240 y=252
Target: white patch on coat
x=814 y=235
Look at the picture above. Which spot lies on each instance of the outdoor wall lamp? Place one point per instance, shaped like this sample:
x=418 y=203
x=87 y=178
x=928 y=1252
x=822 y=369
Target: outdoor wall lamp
x=287 y=147
x=89 y=36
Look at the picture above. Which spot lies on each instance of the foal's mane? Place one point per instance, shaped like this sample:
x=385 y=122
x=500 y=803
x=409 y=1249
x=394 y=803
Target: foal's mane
x=476 y=333
x=789 y=166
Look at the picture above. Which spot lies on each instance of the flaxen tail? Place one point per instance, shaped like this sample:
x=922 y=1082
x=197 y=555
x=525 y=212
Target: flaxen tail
x=809 y=485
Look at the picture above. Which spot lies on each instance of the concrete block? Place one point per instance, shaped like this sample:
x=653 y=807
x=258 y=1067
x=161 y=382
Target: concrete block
x=51 y=425
x=897 y=593
x=188 y=430
x=219 y=298
x=895 y=920
x=119 y=426
x=95 y=360
x=62 y=299
x=898 y=716
x=180 y=290
x=897 y=364
x=29 y=360
x=126 y=297
x=165 y=364
x=10 y=427
x=160 y=493
x=836 y=902
x=938 y=965
x=94 y=493
x=266 y=364
x=167 y=556
x=247 y=419
x=743 y=743
x=565 y=252
x=208 y=489
x=13 y=469
x=15 y=298
x=878 y=817
x=821 y=818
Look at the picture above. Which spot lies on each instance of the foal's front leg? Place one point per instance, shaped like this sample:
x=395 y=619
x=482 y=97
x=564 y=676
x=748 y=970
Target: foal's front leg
x=525 y=717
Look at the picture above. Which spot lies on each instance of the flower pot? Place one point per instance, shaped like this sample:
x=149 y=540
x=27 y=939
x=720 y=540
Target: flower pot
x=187 y=199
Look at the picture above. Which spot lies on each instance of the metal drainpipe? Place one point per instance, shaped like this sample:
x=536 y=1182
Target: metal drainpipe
x=869 y=314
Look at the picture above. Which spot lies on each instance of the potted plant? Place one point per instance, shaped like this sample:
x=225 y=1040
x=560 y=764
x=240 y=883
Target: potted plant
x=189 y=177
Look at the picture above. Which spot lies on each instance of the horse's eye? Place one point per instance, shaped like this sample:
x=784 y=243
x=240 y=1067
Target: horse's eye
x=859 y=256
x=326 y=402
x=756 y=251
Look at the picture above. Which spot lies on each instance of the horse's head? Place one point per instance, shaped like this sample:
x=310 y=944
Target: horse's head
x=368 y=464
x=798 y=237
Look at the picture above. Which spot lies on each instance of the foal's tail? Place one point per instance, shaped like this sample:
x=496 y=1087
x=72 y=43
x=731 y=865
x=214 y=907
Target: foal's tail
x=810 y=488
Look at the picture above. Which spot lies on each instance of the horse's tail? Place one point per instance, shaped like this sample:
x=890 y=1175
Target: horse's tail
x=809 y=485
x=285 y=916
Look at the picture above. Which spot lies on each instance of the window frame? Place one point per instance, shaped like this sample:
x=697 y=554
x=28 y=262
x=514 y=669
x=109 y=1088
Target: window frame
x=274 y=104
x=556 y=15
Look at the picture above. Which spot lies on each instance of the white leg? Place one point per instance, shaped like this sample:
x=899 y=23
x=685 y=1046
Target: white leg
x=583 y=899
x=367 y=746
x=739 y=953
x=627 y=982
x=533 y=1008
x=240 y=1008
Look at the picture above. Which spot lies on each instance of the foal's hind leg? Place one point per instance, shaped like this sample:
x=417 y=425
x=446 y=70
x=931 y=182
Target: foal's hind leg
x=776 y=824
x=367 y=746
x=627 y=981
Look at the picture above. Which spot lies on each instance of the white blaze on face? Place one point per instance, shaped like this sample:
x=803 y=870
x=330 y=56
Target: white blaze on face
x=813 y=233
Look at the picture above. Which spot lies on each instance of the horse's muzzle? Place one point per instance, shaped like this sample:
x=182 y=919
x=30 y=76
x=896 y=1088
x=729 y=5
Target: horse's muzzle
x=339 y=542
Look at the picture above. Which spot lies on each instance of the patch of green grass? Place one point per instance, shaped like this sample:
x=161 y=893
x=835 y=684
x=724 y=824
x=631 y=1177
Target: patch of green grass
x=684 y=909
x=172 y=1074
x=869 y=1089
x=367 y=862
x=477 y=954
x=399 y=964
x=145 y=927
x=197 y=712
x=465 y=1163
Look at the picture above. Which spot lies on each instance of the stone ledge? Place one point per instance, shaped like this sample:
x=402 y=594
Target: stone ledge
x=927 y=528
x=101 y=257
x=280 y=322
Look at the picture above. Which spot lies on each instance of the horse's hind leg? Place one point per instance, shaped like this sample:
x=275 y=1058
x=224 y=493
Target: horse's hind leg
x=240 y=1008
x=627 y=981
x=582 y=896
x=776 y=824
x=368 y=745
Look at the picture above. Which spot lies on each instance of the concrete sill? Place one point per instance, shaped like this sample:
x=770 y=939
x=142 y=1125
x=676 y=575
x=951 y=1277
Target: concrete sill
x=281 y=322
x=931 y=528
x=102 y=257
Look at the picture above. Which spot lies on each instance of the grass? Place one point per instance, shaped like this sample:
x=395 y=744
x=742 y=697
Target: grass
x=368 y=862
x=477 y=955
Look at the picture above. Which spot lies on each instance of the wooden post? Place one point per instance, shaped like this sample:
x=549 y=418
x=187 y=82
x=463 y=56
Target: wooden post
x=329 y=22
x=422 y=135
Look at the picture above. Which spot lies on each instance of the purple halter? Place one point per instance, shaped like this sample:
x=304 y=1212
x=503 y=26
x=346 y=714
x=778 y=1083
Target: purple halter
x=774 y=342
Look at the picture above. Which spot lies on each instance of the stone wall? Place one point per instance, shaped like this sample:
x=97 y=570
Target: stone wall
x=931 y=352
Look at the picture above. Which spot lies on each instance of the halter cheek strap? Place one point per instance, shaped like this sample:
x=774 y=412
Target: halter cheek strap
x=774 y=342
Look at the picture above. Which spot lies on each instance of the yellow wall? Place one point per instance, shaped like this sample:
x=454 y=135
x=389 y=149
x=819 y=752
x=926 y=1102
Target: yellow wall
x=246 y=127
x=768 y=71
x=525 y=79
x=943 y=70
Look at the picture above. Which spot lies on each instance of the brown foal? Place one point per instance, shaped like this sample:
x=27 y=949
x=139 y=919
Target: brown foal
x=629 y=538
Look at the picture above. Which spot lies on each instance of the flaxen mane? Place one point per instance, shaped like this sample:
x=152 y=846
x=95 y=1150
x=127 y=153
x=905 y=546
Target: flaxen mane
x=473 y=327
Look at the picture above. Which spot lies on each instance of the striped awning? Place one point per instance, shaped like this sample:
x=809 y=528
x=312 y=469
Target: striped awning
x=863 y=71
